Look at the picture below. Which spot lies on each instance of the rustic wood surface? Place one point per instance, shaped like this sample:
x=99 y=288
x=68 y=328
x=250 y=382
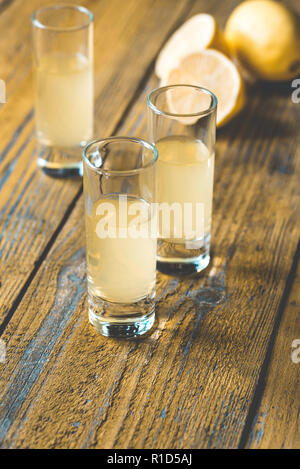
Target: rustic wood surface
x=275 y=424
x=216 y=371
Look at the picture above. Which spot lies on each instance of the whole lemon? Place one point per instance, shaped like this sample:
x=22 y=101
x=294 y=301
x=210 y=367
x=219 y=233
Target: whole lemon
x=264 y=37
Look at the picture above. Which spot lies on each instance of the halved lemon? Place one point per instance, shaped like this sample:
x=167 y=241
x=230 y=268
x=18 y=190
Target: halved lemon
x=212 y=70
x=197 y=33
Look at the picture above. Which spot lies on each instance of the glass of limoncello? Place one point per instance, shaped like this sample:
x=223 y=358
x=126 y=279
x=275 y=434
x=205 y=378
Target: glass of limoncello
x=119 y=178
x=63 y=85
x=182 y=124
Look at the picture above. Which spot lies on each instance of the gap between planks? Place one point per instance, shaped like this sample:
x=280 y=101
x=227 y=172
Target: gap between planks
x=261 y=383
x=69 y=210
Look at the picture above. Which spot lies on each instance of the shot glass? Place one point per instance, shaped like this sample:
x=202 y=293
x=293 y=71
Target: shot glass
x=63 y=85
x=182 y=124
x=119 y=176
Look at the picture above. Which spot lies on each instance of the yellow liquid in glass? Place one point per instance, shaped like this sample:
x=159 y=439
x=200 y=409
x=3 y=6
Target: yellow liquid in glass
x=185 y=175
x=121 y=270
x=64 y=100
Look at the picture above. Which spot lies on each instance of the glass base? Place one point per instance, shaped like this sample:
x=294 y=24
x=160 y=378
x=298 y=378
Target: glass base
x=59 y=161
x=121 y=321
x=120 y=330
x=178 y=259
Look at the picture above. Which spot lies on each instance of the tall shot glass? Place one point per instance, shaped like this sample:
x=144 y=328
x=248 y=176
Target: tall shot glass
x=121 y=234
x=182 y=124
x=63 y=85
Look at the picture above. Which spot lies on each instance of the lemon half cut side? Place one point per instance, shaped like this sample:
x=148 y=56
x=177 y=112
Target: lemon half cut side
x=212 y=70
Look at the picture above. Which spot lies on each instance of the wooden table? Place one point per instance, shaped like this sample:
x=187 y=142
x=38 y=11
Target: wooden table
x=217 y=370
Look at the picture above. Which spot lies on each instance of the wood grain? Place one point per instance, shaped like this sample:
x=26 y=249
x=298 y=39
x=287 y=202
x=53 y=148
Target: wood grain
x=191 y=382
x=33 y=207
x=276 y=423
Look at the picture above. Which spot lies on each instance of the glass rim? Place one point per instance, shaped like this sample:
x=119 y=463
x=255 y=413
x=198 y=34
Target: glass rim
x=124 y=172
x=162 y=89
x=60 y=6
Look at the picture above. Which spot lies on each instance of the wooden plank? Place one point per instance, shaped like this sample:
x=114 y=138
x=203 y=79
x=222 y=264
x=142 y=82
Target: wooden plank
x=276 y=423
x=191 y=382
x=32 y=206
x=59 y=318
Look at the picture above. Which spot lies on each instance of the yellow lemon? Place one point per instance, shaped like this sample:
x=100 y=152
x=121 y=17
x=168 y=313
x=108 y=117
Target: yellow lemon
x=209 y=69
x=264 y=37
